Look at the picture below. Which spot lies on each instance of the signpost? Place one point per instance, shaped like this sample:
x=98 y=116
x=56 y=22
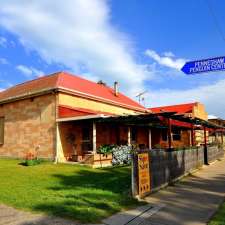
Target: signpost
x=143 y=174
x=204 y=65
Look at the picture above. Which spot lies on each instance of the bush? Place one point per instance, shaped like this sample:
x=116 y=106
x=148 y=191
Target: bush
x=31 y=159
x=121 y=155
x=106 y=149
x=31 y=162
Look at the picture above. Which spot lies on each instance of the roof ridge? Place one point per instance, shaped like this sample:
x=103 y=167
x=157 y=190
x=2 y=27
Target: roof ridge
x=80 y=77
x=29 y=81
x=191 y=103
x=90 y=81
x=59 y=78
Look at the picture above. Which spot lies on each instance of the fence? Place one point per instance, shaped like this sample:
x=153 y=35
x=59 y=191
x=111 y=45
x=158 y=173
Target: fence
x=214 y=153
x=167 y=166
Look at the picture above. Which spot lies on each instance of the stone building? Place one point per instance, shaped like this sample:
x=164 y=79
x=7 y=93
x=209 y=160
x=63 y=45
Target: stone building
x=55 y=115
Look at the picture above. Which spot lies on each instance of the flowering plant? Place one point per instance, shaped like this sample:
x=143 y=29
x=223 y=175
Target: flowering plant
x=30 y=156
x=31 y=159
x=121 y=155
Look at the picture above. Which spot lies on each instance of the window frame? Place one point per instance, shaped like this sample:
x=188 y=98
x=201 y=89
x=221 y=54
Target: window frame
x=2 y=132
x=86 y=144
x=164 y=135
x=177 y=133
x=134 y=134
x=86 y=128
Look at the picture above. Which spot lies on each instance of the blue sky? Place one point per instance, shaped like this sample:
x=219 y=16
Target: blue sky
x=142 y=44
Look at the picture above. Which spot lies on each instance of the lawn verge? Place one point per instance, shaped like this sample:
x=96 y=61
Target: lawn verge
x=71 y=191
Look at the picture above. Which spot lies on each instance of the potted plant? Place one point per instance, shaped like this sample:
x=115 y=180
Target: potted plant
x=105 y=149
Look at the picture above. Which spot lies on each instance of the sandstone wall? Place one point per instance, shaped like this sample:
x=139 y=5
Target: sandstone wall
x=29 y=126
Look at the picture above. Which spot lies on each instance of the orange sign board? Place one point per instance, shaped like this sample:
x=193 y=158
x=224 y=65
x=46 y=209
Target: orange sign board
x=143 y=173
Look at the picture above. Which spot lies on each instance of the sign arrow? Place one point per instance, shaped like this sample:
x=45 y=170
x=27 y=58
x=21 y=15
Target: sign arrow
x=204 y=65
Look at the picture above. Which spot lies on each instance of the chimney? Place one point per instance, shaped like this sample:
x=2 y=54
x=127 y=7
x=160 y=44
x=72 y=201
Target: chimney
x=116 y=88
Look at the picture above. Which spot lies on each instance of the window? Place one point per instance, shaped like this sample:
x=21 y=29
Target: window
x=2 y=125
x=133 y=135
x=85 y=134
x=164 y=135
x=86 y=139
x=176 y=134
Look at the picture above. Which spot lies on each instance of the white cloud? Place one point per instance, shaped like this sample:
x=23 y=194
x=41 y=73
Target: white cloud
x=212 y=117
x=168 y=59
x=79 y=35
x=3 y=41
x=4 y=84
x=25 y=70
x=211 y=95
x=29 y=72
x=168 y=54
x=4 y=61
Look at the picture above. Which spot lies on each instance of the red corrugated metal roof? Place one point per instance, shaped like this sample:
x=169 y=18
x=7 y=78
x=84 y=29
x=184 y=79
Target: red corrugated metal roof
x=74 y=84
x=180 y=124
x=176 y=122
x=66 y=111
x=92 y=89
x=180 y=109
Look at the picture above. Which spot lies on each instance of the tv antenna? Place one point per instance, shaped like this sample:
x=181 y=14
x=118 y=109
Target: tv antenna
x=140 y=96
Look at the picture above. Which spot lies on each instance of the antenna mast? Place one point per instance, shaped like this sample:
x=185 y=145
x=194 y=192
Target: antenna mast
x=140 y=96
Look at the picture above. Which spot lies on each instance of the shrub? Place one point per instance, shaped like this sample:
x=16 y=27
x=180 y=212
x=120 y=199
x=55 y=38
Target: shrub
x=32 y=162
x=31 y=159
x=106 y=149
x=121 y=155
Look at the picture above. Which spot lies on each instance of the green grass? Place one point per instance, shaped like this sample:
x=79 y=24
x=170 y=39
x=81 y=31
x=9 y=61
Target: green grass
x=70 y=191
x=219 y=217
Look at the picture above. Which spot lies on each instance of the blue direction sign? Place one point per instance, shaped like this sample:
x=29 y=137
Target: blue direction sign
x=204 y=65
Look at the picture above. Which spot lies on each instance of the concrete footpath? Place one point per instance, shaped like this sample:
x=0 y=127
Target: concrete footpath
x=190 y=202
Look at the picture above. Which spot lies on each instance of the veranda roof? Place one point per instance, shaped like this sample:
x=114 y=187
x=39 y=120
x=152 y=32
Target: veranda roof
x=160 y=120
